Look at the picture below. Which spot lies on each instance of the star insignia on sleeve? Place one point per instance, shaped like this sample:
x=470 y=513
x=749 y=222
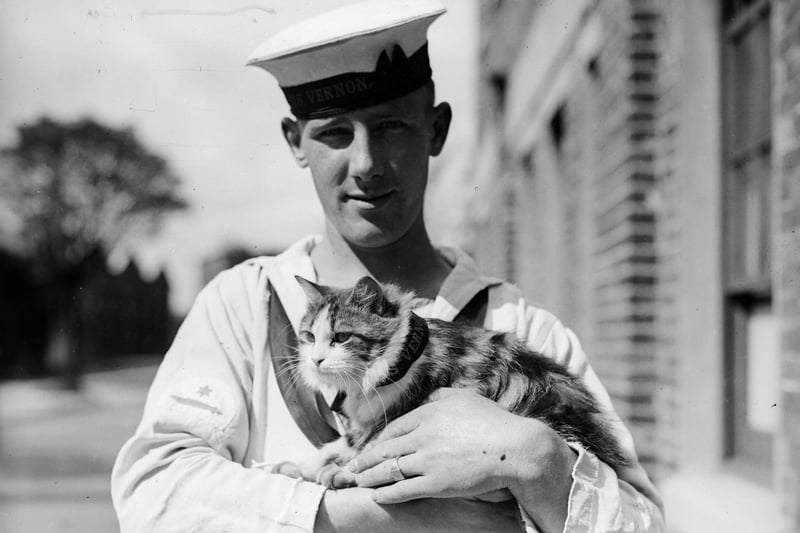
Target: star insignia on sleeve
x=204 y=391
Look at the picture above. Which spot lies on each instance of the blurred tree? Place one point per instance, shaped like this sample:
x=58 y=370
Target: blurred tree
x=75 y=191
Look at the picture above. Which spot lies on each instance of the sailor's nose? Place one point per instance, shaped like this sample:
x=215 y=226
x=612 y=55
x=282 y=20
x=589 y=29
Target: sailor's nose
x=365 y=164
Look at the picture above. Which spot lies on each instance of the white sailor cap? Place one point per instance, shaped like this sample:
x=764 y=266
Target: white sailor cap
x=352 y=57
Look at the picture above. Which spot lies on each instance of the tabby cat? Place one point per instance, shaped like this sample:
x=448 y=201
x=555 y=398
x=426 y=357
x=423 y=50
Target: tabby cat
x=383 y=360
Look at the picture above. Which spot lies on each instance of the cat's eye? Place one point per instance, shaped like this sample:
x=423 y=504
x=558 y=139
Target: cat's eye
x=306 y=337
x=341 y=336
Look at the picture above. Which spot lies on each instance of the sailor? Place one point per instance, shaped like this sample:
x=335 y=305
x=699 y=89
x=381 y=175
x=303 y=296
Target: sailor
x=365 y=123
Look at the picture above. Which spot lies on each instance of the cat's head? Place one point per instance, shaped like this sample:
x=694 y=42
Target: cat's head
x=349 y=338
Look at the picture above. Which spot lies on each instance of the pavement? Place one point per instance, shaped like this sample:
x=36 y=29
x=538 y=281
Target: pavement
x=57 y=448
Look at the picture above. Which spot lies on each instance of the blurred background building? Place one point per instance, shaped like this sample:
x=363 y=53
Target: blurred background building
x=71 y=193
x=638 y=165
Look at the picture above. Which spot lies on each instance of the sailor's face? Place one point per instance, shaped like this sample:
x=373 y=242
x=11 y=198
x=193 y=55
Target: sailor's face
x=370 y=167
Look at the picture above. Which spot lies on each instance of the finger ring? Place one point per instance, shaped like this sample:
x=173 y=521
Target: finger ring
x=395 y=473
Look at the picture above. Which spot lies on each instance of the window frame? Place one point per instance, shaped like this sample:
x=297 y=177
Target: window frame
x=745 y=285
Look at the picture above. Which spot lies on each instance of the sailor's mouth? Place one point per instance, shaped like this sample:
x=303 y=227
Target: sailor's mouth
x=370 y=201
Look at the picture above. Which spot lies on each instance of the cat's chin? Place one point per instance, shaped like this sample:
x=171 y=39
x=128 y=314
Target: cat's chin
x=327 y=380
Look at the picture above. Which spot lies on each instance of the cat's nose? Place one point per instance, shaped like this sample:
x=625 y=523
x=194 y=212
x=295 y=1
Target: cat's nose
x=317 y=359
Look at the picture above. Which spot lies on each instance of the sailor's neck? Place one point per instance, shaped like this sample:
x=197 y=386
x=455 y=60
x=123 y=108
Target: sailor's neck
x=412 y=263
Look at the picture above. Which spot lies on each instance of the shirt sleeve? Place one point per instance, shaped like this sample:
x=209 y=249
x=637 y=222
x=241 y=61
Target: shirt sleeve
x=182 y=470
x=601 y=499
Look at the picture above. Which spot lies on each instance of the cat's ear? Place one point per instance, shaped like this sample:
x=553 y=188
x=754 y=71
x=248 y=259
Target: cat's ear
x=367 y=292
x=314 y=292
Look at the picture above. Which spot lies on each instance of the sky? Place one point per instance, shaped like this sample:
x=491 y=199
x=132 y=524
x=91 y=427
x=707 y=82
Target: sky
x=174 y=72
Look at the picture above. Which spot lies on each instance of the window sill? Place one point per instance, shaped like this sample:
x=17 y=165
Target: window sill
x=719 y=501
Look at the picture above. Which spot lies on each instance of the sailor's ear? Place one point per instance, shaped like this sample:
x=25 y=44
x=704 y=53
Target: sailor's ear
x=315 y=293
x=293 y=133
x=442 y=116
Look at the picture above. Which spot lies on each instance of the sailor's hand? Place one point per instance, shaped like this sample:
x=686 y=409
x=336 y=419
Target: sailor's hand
x=459 y=444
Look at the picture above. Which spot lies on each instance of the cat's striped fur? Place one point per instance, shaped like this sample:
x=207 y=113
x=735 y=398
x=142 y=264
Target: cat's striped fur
x=351 y=339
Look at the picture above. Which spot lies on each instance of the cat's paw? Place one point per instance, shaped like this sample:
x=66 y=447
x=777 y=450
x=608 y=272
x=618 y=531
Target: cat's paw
x=334 y=476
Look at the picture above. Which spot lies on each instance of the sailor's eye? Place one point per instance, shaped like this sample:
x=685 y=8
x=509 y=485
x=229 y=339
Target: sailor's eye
x=341 y=336
x=306 y=337
x=390 y=124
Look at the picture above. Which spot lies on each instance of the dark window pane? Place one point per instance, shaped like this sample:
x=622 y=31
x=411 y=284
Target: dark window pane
x=751 y=329
x=748 y=222
x=750 y=93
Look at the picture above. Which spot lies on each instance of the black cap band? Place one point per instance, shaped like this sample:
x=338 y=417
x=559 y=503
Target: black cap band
x=392 y=78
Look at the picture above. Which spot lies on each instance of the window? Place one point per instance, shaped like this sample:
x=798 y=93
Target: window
x=752 y=355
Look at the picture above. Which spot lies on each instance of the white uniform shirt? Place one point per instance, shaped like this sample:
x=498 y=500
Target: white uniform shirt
x=214 y=413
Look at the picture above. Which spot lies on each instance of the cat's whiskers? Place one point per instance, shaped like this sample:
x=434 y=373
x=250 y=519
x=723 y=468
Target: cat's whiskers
x=383 y=406
x=296 y=376
x=290 y=361
x=356 y=379
x=291 y=352
x=286 y=357
x=291 y=371
x=289 y=365
x=292 y=366
x=366 y=396
x=350 y=375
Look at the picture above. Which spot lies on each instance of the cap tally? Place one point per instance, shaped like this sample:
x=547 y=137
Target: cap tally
x=355 y=56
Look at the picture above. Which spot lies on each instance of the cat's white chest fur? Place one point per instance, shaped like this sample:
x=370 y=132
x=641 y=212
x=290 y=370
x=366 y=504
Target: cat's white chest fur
x=364 y=408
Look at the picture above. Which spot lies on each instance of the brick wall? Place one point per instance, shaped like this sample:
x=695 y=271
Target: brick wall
x=608 y=213
x=665 y=199
x=581 y=241
x=624 y=224
x=786 y=21
x=503 y=26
